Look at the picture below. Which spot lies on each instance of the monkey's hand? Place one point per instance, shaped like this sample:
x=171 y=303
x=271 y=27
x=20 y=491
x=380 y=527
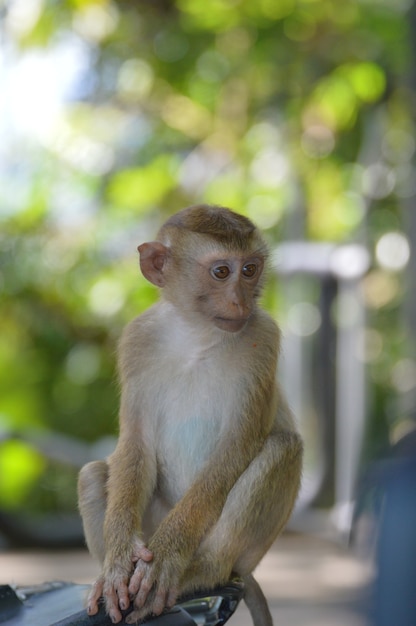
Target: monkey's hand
x=112 y=584
x=155 y=586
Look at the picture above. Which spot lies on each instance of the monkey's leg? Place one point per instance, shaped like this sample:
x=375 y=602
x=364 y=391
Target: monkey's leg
x=92 y=502
x=255 y=512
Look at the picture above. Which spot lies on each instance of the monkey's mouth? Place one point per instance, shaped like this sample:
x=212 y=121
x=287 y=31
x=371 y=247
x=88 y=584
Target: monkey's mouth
x=230 y=325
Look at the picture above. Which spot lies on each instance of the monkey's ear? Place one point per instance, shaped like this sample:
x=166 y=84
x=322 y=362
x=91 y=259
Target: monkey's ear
x=153 y=257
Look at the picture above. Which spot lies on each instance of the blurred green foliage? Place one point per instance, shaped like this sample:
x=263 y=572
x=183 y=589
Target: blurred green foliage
x=296 y=113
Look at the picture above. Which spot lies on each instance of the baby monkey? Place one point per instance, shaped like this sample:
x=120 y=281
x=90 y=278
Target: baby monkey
x=208 y=462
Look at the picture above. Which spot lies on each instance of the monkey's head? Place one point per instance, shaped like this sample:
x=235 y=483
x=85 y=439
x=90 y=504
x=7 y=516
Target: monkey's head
x=209 y=261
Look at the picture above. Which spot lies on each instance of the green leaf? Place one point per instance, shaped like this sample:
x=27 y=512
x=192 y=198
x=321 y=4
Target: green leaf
x=140 y=188
x=20 y=466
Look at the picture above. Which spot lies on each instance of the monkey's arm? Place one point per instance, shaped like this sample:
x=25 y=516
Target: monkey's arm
x=131 y=480
x=132 y=466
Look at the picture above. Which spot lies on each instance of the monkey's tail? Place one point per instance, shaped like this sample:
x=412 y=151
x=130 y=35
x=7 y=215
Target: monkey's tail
x=256 y=602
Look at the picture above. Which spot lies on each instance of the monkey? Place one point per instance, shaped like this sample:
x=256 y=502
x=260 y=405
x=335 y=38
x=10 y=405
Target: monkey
x=208 y=461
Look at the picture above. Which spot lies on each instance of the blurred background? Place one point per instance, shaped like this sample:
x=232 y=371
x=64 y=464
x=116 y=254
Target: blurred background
x=116 y=113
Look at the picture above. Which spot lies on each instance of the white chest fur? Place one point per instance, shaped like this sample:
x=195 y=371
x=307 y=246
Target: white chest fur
x=196 y=399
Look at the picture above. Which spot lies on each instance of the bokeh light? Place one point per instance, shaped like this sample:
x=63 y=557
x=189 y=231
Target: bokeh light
x=393 y=251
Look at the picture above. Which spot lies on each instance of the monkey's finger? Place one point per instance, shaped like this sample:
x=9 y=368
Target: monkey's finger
x=111 y=603
x=141 y=551
x=143 y=592
x=136 y=580
x=164 y=599
x=113 y=611
x=144 y=554
x=94 y=596
x=160 y=602
x=172 y=597
x=153 y=606
x=123 y=597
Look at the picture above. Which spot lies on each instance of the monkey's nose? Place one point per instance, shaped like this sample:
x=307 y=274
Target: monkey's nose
x=241 y=308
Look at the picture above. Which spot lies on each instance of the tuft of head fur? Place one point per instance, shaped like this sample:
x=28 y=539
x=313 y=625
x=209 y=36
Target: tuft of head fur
x=231 y=230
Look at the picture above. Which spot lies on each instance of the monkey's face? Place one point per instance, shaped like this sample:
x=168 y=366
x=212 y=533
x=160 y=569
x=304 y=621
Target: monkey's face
x=227 y=288
x=209 y=262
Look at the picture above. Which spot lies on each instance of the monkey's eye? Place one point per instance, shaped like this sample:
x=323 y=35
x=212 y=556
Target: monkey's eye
x=249 y=270
x=220 y=272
